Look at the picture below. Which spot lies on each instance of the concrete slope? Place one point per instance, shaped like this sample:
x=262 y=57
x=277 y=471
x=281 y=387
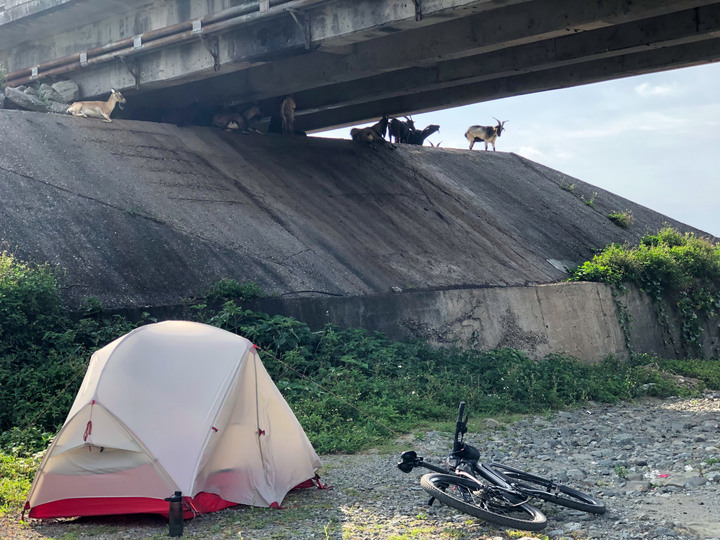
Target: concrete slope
x=140 y=213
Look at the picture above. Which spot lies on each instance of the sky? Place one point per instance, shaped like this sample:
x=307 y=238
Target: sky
x=653 y=139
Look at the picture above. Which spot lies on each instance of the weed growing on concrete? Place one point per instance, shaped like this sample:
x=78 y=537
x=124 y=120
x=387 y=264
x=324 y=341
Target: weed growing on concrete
x=591 y=201
x=623 y=219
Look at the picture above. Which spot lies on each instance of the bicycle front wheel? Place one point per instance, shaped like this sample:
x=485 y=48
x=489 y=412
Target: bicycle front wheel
x=487 y=503
x=542 y=488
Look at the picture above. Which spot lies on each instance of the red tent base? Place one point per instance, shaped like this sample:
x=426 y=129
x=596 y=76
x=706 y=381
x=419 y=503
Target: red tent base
x=202 y=503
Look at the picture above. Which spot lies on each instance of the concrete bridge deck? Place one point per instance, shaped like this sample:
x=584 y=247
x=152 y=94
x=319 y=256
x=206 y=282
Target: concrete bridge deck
x=346 y=61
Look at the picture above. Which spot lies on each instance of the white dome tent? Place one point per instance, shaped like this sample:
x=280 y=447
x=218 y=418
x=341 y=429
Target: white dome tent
x=173 y=406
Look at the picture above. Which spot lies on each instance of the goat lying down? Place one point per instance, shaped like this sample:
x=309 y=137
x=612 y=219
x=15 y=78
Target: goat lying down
x=372 y=134
x=245 y=122
x=97 y=109
x=486 y=134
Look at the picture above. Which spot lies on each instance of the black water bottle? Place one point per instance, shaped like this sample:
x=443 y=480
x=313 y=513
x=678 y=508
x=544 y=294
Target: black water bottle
x=176 y=514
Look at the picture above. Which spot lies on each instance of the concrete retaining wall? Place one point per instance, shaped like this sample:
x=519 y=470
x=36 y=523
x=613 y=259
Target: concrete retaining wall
x=580 y=319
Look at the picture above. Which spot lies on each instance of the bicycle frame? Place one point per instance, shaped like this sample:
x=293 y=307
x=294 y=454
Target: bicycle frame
x=466 y=464
x=516 y=487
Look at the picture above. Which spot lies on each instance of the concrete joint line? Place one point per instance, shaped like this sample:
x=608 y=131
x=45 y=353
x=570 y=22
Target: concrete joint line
x=213 y=47
x=133 y=67
x=304 y=25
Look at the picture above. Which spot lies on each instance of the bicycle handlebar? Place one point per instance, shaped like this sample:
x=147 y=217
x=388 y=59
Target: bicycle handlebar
x=460 y=426
x=461 y=409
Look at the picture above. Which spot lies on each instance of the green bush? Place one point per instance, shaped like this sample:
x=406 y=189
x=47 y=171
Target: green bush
x=43 y=353
x=230 y=290
x=344 y=385
x=669 y=266
x=16 y=476
x=30 y=303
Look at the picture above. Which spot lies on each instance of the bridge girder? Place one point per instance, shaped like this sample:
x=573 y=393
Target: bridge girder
x=349 y=61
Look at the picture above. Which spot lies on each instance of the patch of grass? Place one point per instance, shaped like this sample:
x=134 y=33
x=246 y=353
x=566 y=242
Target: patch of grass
x=623 y=219
x=16 y=476
x=414 y=533
x=569 y=188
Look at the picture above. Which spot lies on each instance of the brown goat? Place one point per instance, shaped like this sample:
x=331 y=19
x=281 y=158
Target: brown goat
x=97 y=109
x=287 y=113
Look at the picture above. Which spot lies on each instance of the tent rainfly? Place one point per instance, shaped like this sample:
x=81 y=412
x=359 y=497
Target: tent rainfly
x=173 y=406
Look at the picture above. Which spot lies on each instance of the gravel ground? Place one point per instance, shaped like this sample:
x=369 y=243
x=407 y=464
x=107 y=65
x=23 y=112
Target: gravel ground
x=655 y=464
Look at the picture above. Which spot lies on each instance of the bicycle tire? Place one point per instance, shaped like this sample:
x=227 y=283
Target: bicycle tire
x=547 y=490
x=488 y=504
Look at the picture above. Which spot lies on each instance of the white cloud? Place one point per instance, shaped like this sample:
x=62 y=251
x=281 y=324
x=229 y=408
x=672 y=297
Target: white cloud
x=648 y=90
x=530 y=152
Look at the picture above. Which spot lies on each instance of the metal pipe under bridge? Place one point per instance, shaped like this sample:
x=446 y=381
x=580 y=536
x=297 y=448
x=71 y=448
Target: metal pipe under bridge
x=345 y=61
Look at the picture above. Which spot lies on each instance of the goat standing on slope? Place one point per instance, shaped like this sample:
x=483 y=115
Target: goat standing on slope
x=486 y=134
x=287 y=113
x=97 y=109
x=401 y=130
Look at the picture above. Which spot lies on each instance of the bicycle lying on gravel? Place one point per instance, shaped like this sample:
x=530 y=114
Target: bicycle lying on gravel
x=492 y=491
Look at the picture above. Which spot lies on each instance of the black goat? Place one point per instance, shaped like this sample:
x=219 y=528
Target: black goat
x=418 y=137
x=401 y=130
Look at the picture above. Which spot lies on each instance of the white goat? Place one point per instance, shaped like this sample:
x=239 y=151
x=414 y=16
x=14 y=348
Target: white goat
x=97 y=109
x=486 y=134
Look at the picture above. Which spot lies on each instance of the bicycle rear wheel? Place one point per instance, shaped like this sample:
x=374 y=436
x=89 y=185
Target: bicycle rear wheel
x=548 y=490
x=487 y=503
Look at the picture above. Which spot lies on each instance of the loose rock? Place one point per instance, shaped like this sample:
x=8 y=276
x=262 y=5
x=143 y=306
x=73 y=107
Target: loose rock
x=597 y=449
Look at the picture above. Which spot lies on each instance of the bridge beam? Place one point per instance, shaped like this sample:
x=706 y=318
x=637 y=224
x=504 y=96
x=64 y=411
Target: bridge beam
x=552 y=79
x=690 y=26
x=348 y=61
